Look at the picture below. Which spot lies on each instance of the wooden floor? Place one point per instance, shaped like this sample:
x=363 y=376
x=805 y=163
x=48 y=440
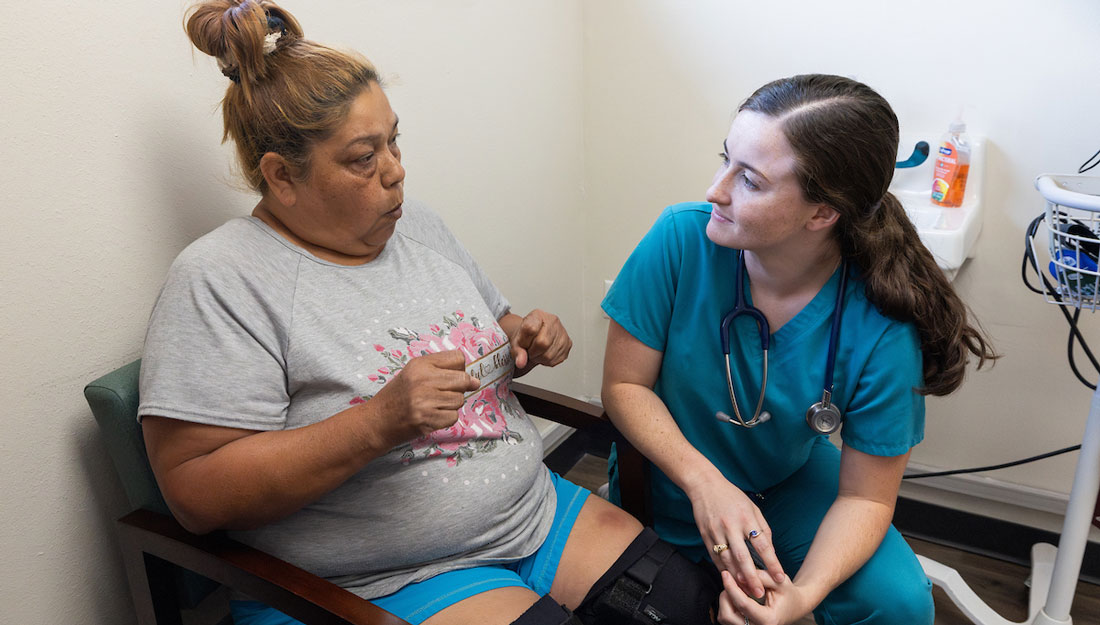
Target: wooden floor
x=1000 y=584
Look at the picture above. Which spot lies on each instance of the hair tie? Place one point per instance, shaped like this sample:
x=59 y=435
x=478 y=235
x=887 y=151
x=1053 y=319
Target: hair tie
x=229 y=70
x=276 y=28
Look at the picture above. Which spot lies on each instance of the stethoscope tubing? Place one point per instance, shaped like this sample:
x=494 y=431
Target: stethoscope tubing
x=834 y=334
x=740 y=307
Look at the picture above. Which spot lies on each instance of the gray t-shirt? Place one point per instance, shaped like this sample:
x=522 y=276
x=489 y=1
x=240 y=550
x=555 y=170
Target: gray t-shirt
x=251 y=331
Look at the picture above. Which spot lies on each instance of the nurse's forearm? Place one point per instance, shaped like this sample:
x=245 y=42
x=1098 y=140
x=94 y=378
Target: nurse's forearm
x=852 y=530
x=856 y=522
x=646 y=422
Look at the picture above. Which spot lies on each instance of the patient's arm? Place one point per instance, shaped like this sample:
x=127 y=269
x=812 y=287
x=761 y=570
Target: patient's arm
x=225 y=478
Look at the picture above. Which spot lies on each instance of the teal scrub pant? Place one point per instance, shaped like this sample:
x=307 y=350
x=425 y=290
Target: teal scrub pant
x=890 y=589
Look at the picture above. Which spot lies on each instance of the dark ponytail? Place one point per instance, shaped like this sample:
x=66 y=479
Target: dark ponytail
x=845 y=138
x=904 y=281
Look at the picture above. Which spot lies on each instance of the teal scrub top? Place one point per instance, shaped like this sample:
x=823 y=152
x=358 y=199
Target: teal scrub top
x=672 y=294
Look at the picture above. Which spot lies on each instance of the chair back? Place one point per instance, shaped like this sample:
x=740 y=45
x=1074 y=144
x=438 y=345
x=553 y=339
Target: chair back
x=114 y=402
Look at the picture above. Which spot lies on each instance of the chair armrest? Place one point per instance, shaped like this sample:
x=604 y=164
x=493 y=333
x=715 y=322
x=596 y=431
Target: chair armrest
x=267 y=579
x=633 y=467
x=559 y=408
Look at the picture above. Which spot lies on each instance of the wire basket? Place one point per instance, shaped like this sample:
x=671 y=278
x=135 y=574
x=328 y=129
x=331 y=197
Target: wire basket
x=1073 y=226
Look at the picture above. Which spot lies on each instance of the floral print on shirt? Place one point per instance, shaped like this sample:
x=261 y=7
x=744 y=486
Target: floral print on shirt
x=483 y=419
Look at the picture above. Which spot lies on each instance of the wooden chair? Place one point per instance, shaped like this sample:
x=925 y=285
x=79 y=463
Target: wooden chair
x=170 y=569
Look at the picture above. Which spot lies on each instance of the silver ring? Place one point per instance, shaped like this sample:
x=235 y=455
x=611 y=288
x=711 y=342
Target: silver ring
x=753 y=534
x=747 y=621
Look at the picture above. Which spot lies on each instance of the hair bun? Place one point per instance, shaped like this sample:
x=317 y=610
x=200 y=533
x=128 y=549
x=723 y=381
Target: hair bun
x=241 y=34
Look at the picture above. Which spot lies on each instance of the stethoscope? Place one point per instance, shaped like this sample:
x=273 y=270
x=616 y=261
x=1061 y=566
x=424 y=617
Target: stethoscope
x=823 y=417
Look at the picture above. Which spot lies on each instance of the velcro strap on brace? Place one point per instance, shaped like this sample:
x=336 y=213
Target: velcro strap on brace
x=627 y=595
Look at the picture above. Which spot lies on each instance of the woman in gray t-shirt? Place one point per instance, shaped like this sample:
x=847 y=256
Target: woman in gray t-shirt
x=328 y=378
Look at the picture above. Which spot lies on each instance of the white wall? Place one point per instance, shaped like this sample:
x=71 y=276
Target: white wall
x=662 y=81
x=111 y=164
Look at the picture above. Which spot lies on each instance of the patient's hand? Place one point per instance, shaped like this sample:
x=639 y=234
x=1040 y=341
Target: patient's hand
x=425 y=397
x=539 y=339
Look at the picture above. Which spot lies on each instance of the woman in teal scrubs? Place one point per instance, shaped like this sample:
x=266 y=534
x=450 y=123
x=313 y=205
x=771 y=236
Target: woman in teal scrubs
x=800 y=197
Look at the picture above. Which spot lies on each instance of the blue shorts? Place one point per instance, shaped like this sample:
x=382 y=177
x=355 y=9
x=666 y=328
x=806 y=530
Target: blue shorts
x=417 y=602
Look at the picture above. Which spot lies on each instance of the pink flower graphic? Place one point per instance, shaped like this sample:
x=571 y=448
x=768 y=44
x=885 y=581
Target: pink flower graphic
x=482 y=421
x=473 y=341
x=428 y=344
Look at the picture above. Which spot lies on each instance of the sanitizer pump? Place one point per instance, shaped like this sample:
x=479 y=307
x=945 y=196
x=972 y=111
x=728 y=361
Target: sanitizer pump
x=952 y=166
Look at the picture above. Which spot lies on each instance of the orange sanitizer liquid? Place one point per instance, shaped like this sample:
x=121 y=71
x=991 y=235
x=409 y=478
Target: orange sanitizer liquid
x=952 y=167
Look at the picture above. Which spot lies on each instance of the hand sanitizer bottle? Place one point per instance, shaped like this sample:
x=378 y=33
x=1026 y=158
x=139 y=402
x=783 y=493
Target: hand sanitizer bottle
x=952 y=166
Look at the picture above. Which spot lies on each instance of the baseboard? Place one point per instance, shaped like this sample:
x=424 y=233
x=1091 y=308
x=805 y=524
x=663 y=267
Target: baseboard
x=554 y=435
x=982 y=487
x=982 y=535
x=986 y=516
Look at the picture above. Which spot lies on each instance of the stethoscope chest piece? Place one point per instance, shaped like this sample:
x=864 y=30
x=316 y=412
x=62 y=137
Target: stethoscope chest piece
x=824 y=417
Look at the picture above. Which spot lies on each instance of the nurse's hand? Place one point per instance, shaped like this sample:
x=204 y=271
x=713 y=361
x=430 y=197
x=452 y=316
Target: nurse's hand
x=727 y=519
x=786 y=603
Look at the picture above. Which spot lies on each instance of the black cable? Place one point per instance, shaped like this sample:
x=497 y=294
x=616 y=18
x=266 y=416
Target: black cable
x=1023 y=274
x=1075 y=333
x=1029 y=257
x=1072 y=362
x=994 y=467
x=1085 y=166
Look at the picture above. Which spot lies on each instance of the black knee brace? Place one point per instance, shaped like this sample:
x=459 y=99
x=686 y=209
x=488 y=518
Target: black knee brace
x=546 y=611
x=650 y=584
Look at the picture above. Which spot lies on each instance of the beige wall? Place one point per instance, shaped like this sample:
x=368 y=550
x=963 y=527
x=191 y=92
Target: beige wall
x=111 y=164
x=549 y=134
